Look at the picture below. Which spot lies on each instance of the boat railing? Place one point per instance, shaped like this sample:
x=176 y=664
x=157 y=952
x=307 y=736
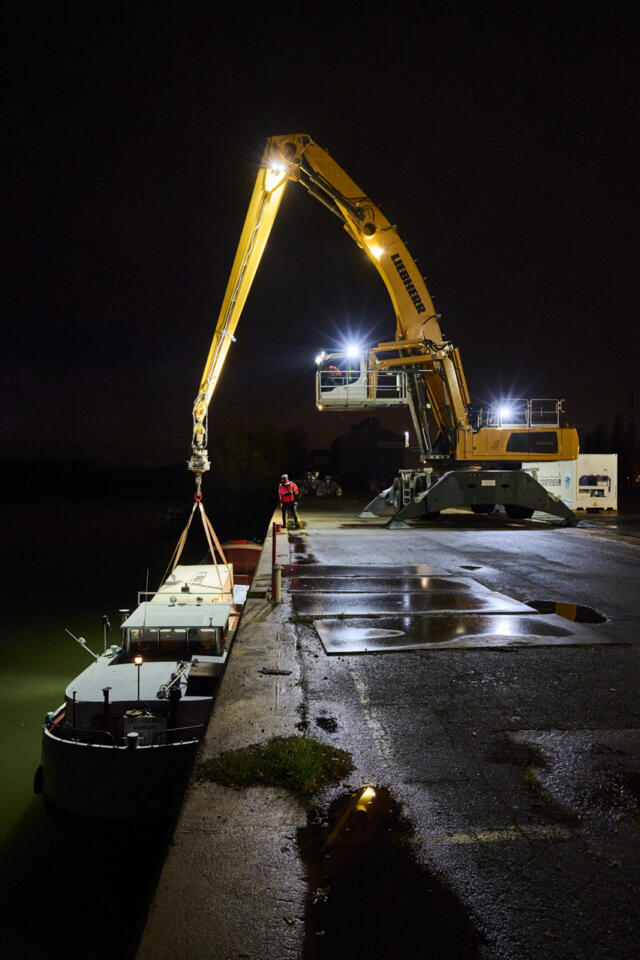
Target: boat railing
x=104 y=738
x=144 y=595
x=156 y=738
x=80 y=735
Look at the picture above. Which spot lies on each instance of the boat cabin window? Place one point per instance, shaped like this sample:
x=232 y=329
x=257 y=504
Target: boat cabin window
x=143 y=640
x=196 y=640
x=173 y=640
x=204 y=640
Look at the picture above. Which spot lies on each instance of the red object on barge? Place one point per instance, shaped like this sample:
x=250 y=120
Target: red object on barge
x=244 y=556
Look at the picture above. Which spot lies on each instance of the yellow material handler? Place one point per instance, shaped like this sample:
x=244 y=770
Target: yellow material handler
x=468 y=458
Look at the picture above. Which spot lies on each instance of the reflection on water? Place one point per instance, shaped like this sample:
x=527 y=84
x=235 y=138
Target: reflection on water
x=349 y=572
x=570 y=611
x=441 y=630
x=475 y=598
x=368 y=896
x=386 y=585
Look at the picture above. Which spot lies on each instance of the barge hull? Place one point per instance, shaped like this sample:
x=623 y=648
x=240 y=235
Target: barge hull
x=115 y=783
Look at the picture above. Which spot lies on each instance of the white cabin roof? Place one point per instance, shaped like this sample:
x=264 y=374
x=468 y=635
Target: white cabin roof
x=207 y=580
x=154 y=614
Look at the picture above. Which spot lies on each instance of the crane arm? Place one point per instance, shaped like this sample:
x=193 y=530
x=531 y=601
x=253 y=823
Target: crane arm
x=323 y=178
x=263 y=207
x=297 y=158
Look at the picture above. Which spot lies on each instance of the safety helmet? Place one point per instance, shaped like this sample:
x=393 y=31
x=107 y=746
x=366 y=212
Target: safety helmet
x=284 y=477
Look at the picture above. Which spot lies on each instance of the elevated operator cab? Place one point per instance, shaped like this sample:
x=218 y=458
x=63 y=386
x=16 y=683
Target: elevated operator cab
x=344 y=380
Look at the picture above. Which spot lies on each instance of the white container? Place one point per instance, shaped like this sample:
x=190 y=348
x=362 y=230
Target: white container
x=597 y=481
x=588 y=483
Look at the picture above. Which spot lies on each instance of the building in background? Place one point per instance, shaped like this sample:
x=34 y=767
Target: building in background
x=368 y=456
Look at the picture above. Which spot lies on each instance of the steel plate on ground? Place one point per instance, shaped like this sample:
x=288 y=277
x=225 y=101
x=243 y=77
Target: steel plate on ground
x=374 y=604
x=376 y=570
x=440 y=631
x=391 y=584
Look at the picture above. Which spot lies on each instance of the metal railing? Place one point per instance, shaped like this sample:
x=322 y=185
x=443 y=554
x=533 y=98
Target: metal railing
x=180 y=730
x=97 y=738
x=521 y=413
x=80 y=734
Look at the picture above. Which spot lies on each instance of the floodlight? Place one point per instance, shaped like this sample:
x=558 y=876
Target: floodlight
x=275 y=174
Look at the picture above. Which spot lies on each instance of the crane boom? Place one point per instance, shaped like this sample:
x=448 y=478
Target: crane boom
x=263 y=208
x=297 y=158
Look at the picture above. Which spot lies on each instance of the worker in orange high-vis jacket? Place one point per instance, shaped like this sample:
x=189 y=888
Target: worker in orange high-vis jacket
x=287 y=493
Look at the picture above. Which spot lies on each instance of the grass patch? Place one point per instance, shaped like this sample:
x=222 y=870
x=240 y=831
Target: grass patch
x=547 y=802
x=536 y=788
x=300 y=764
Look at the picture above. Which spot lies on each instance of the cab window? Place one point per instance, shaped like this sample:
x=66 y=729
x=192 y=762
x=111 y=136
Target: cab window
x=339 y=372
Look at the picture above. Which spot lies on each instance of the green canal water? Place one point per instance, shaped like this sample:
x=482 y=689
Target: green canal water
x=68 y=890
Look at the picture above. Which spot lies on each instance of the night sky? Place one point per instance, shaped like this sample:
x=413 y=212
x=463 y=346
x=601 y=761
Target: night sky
x=502 y=138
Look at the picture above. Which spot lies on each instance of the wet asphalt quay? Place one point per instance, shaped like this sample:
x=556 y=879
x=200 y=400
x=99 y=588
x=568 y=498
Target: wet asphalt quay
x=508 y=762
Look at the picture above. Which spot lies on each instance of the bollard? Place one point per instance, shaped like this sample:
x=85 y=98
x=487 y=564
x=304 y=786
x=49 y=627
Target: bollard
x=277 y=584
x=132 y=740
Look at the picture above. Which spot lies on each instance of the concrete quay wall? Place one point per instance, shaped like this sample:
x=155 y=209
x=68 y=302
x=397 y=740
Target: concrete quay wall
x=231 y=884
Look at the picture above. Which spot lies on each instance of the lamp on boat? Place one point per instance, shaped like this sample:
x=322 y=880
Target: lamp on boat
x=138 y=662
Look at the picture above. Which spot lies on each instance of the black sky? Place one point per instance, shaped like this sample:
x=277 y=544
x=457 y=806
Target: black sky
x=502 y=138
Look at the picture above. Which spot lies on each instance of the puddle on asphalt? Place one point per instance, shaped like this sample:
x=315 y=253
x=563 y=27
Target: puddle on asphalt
x=469 y=566
x=570 y=611
x=330 y=724
x=301 y=555
x=368 y=896
x=478 y=600
x=355 y=572
x=449 y=629
x=387 y=585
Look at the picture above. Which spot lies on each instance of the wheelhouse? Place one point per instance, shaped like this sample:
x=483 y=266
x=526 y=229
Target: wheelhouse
x=183 y=629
